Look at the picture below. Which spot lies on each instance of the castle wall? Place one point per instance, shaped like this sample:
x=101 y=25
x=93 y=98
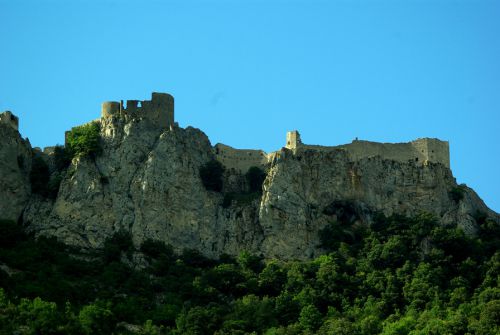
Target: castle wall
x=420 y=151
x=402 y=152
x=239 y=159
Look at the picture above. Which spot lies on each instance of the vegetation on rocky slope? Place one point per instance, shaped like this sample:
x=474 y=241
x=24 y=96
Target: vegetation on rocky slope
x=85 y=140
x=399 y=276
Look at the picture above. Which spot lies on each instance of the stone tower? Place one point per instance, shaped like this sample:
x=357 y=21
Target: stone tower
x=432 y=150
x=293 y=139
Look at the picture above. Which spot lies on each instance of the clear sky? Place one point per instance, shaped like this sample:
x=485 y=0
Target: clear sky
x=245 y=72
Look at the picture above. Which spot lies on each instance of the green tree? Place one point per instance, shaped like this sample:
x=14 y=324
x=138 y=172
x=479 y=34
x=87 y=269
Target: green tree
x=211 y=175
x=97 y=318
x=11 y=233
x=310 y=318
x=199 y=320
x=84 y=141
x=40 y=316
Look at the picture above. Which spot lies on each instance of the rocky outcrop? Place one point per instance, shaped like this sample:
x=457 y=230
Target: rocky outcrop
x=147 y=182
x=300 y=189
x=15 y=164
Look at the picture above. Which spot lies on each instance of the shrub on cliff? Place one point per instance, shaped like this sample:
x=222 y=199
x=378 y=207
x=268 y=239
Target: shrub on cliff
x=62 y=158
x=84 y=141
x=211 y=175
x=457 y=193
x=42 y=182
x=255 y=177
x=39 y=176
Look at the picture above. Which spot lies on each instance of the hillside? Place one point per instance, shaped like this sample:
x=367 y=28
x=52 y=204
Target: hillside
x=145 y=179
x=138 y=226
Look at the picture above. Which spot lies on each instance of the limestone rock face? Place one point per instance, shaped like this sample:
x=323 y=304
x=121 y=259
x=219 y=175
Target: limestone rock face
x=147 y=182
x=301 y=187
x=15 y=164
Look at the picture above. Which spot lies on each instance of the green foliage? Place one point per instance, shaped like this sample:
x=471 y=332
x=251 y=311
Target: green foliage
x=11 y=233
x=39 y=176
x=42 y=182
x=54 y=185
x=40 y=316
x=310 y=318
x=255 y=177
x=250 y=262
x=398 y=276
x=156 y=249
x=62 y=158
x=199 y=320
x=120 y=242
x=84 y=141
x=211 y=175
x=96 y=318
x=457 y=193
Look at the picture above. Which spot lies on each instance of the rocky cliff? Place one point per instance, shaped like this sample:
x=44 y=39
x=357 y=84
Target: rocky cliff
x=147 y=182
x=15 y=165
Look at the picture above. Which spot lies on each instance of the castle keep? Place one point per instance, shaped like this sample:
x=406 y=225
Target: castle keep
x=159 y=110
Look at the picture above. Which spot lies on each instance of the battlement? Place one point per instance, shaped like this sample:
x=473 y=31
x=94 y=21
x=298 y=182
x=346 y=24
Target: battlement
x=10 y=119
x=422 y=150
x=159 y=110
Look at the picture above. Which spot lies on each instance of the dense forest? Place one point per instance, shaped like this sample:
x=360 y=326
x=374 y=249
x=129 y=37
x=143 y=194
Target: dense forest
x=397 y=276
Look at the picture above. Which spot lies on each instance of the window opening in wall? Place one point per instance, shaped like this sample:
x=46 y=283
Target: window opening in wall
x=416 y=159
x=139 y=104
x=288 y=142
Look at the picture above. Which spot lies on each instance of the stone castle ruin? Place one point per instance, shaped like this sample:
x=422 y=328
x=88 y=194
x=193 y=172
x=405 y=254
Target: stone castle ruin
x=159 y=111
x=422 y=150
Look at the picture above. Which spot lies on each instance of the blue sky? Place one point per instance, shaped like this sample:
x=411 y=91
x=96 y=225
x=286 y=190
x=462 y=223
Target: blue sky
x=245 y=72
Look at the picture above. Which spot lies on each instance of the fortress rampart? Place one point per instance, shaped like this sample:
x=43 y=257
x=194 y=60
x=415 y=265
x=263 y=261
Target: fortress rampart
x=239 y=159
x=9 y=119
x=423 y=150
x=159 y=110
